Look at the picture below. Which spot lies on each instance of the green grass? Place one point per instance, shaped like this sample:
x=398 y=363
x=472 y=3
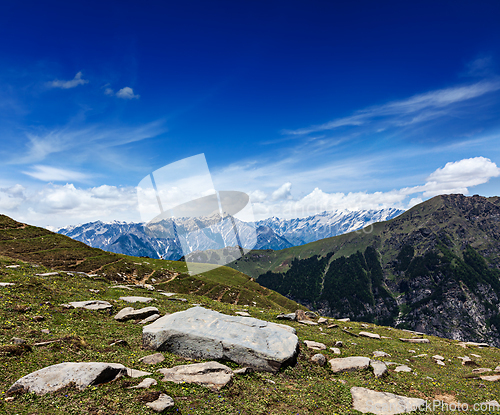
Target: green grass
x=302 y=389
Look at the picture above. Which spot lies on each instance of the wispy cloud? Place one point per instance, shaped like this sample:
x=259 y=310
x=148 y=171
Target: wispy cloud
x=53 y=174
x=92 y=138
x=415 y=109
x=77 y=80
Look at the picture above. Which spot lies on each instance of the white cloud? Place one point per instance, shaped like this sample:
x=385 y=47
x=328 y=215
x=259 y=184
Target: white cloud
x=109 y=91
x=283 y=193
x=126 y=93
x=77 y=80
x=53 y=174
x=11 y=197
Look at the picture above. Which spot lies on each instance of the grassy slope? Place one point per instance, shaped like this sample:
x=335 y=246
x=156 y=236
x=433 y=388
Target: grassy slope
x=40 y=246
x=303 y=389
x=435 y=213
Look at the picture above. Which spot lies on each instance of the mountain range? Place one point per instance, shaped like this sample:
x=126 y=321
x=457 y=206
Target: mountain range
x=160 y=239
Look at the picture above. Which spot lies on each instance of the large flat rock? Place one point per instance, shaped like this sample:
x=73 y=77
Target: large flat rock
x=383 y=403
x=91 y=305
x=199 y=333
x=128 y=313
x=349 y=364
x=55 y=377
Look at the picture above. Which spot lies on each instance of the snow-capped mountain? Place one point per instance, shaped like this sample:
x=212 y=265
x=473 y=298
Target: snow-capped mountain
x=169 y=238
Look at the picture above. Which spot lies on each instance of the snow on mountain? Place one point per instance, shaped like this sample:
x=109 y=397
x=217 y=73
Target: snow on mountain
x=169 y=239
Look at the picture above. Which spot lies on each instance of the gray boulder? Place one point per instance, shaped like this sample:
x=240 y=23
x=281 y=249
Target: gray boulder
x=206 y=334
x=369 y=335
x=134 y=299
x=146 y=383
x=152 y=359
x=163 y=402
x=289 y=316
x=349 y=364
x=128 y=313
x=314 y=345
x=55 y=377
x=379 y=368
x=213 y=375
x=383 y=403
x=319 y=359
x=415 y=340
x=91 y=305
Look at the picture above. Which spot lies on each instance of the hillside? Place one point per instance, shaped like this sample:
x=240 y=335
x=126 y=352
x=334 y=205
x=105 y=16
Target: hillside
x=37 y=331
x=435 y=269
x=41 y=247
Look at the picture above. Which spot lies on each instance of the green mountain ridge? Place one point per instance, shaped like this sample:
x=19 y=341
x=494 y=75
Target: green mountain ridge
x=435 y=269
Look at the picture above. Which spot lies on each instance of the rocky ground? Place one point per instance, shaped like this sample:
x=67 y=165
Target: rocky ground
x=76 y=344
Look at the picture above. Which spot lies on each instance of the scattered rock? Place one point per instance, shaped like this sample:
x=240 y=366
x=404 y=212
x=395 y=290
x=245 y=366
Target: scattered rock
x=421 y=355
x=378 y=353
x=418 y=333
x=206 y=334
x=497 y=369
x=467 y=361
x=332 y=326
x=339 y=344
x=38 y=318
x=350 y=332
x=12 y=266
x=168 y=294
x=475 y=355
x=349 y=364
x=243 y=314
x=344 y=320
x=152 y=359
x=289 y=316
x=47 y=274
x=134 y=373
x=213 y=375
x=182 y=300
x=91 y=305
x=308 y=322
x=163 y=402
x=402 y=368
x=379 y=368
x=335 y=350
x=150 y=319
x=41 y=344
x=146 y=383
x=319 y=359
x=440 y=363
x=314 y=345
x=45 y=331
x=369 y=335
x=412 y=351
x=383 y=403
x=481 y=370
x=128 y=313
x=55 y=377
x=474 y=344
x=322 y=320
x=123 y=287
x=18 y=340
x=243 y=371
x=93 y=291
x=437 y=357
x=491 y=378
x=6 y=284
x=119 y=342
x=137 y=299
x=415 y=340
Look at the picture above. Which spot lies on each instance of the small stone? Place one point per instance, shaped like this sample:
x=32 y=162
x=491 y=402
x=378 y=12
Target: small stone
x=415 y=340
x=440 y=363
x=150 y=319
x=45 y=331
x=308 y=322
x=474 y=344
x=289 y=316
x=310 y=314
x=475 y=355
x=492 y=378
x=319 y=359
x=332 y=326
x=322 y=320
x=146 y=383
x=437 y=357
x=411 y=351
x=335 y=350
x=379 y=368
x=481 y=370
x=152 y=359
x=9 y=399
x=339 y=344
x=119 y=343
x=133 y=299
x=378 y=353
x=243 y=371
x=38 y=318
x=134 y=373
x=17 y=340
x=6 y=284
x=349 y=364
x=91 y=305
x=314 y=345
x=128 y=313
x=93 y=291
x=182 y=300
x=421 y=355
x=243 y=314
x=497 y=369
x=123 y=287
x=344 y=320
x=369 y=335
x=402 y=368
x=163 y=402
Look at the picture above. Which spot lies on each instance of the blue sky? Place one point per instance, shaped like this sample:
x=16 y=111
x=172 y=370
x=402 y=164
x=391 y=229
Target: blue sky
x=306 y=106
